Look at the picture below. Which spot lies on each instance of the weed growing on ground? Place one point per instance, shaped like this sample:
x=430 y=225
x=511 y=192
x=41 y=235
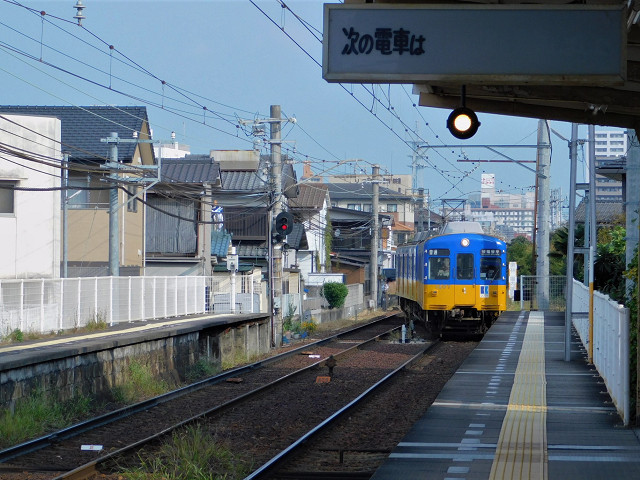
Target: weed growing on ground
x=139 y=384
x=38 y=414
x=191 y=454
x=203 y=368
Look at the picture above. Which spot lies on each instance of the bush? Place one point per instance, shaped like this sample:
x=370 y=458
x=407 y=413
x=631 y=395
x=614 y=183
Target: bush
x=335 y=293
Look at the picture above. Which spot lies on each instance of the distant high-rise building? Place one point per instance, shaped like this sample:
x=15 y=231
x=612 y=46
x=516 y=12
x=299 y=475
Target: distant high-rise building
x=611 y=150
x=507 y=215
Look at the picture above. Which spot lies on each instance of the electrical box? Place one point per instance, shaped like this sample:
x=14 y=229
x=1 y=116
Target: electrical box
x=232 y=262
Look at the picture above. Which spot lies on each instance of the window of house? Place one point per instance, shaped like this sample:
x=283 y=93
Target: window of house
x=86 y=191
x=392 y=207
x=7 y=197
x=132 y=201
x=367 y=207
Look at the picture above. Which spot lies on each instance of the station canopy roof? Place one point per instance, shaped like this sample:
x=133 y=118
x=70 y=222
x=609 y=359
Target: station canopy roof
x=616 y=105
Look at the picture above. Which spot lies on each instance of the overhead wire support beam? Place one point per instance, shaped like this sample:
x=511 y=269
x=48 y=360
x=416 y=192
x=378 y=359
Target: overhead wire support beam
x=493 y=148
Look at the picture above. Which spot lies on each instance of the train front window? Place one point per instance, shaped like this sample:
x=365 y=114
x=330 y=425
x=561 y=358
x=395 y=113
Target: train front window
x=490 y=268
x=464 y=269
x=439 y=268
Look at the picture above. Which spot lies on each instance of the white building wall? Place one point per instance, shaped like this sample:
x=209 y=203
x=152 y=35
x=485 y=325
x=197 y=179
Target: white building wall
x=171 y=150
x=611 y=143
x=30 y=239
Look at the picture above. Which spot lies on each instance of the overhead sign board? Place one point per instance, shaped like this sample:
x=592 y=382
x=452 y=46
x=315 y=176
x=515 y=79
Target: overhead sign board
x=542 y=44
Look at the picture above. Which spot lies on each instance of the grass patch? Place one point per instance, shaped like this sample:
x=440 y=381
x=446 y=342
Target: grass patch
x=96 y=324
x=238 y=358
x=191 y=454
x=203 y=368
x=139 y=384
x=39 y=414
x=16 y=336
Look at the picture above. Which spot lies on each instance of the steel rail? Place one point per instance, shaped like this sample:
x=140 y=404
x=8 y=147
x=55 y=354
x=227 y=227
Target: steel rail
x=88 y=469
x=268 y=468
x=110 y=417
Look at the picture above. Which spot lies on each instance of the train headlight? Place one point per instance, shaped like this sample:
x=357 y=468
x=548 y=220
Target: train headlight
x=464 y=242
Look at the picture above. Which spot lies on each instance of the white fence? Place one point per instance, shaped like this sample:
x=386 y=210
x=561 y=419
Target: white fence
x=354 y=301
x=245 y=292
x=50 y=305
x=610 y=342
x=543 y=292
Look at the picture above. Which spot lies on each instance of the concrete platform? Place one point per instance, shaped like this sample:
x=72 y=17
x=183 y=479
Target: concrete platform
x=93 y=363
x=71 y=344
x=516 y=410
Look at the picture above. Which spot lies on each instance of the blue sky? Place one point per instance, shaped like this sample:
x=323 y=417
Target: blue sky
x=223 y=61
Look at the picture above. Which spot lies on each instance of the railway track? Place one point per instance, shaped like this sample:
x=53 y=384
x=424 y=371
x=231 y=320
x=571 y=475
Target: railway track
x=216 y=401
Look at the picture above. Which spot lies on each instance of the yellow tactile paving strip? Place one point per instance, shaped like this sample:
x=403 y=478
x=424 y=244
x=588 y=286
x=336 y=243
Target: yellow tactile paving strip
x=521 y=451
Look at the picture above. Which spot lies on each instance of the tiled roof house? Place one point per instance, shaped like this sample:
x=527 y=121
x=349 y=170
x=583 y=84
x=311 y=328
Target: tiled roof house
x=82 y=129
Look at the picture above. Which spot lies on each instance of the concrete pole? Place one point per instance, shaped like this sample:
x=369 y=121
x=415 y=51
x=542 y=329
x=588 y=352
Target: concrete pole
x=114 y=243
x=632 y=212
x=233 y=283
x=374 y=236
x=65 y=218
x=592 y=229
x=276 y=157
x=276 y=175
x=632 y=198
x=204 y=227
x=420 y=209
x=568 y=319
x=544 y=214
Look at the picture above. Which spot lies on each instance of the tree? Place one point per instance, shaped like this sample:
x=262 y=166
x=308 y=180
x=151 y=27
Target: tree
x=335 y=293
x=328 y=243
x=520 y=250
x=558 y=254
x=610 y=263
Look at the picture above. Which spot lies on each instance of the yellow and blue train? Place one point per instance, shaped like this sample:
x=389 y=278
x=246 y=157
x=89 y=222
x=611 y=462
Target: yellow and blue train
x=456 y=281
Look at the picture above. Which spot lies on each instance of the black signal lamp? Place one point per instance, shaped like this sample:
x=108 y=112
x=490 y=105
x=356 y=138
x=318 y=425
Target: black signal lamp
x=284 y=223
x=463 y=122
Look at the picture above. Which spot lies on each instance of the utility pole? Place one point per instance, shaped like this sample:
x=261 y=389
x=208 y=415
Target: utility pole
x=115 y=166
x=275 y=207
x=374 y=236
x=114 y=244
x=543 y=214
x=65 y=218
x=420 y=209
x=276 y=187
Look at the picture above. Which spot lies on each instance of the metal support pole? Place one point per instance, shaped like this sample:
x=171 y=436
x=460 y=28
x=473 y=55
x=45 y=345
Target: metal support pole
x=233 y=284
x=592 y=230
x=568 y=319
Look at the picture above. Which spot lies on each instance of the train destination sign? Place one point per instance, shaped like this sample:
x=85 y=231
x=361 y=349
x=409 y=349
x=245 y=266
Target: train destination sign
x=545 y=44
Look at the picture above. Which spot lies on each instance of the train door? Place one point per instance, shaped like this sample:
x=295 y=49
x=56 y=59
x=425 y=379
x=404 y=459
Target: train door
x=420 y=274
x=465 y=288
x=493 y=278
